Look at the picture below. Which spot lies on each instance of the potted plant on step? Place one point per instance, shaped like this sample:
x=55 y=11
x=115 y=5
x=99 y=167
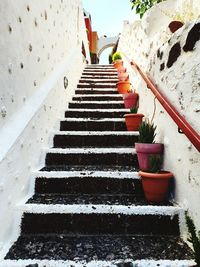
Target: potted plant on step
x=124 y=87
x=146 y=145
x=131 y=99
x=122 y=74
x=155 y=181
x=117 y=60
x=133 y=119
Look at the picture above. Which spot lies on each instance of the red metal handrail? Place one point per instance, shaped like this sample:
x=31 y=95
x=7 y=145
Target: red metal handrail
x=181 y=122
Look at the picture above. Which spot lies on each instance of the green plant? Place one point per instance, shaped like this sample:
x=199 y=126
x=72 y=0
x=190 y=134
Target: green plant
x=147 y=132
x=116 y=56
x=194 y=238
x=134 y=110
x=141 y=6
x=155 y=163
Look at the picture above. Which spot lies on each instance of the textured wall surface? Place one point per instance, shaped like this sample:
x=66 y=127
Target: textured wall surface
x=173 y=62
x=40 y=44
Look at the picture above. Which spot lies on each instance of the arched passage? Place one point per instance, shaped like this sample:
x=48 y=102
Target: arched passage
x=106 y=42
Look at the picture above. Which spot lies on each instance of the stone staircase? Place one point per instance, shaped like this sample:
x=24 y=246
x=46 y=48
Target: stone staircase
x=88 y=208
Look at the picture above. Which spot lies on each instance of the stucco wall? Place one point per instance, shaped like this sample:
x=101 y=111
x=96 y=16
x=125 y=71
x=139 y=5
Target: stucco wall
x=149 y=43
x=40 y=43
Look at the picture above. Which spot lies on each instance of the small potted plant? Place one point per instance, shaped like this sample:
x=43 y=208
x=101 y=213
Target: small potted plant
x=117 y=60
x=122 y=74
x=133 y=119
x=145 y=147
x=131 y=99
x=155 y=181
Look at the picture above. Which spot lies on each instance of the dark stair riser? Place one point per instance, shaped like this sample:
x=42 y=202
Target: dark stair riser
x=94 y=114
x=92 y=126
x=91 y=159
x=98 y=98
x=96 y=105
x=87 y=185
x=64 y=141
x=106 y=77
x=97 y=82
x=95 y=92
x=96 y=85
x=99 y=224
x=94 y=199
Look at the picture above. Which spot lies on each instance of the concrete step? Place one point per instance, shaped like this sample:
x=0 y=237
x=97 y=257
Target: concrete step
x=98 y=97
x=100 y=219
x=95 y=85
x=91 y=156
x=98 y=81
x=97 y=105
x=99 y=76
x=87 y=199
x=88 y=251
x=92 y=113
x=94 y=139
x=64 y=183
x=95 y=124
x=97 y=91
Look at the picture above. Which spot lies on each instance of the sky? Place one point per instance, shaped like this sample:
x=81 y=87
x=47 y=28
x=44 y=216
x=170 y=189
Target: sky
x=107 y=17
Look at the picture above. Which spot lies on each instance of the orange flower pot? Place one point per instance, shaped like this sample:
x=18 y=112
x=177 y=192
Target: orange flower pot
x=123 y=87
x=133 y=121
x=118 y=64
x=156 y=185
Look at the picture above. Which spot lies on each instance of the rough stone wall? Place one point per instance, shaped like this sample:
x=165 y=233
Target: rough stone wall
x=40 y=44
x=173 y=63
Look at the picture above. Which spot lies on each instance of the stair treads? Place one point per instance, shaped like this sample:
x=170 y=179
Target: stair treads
x=94 y=124
x=88 y=184
x=95 y=221
x=94 y=139
x=91 y=156
x=99 y=97
x=96 y=91
x=100 y=85
x=98 y=113
x=97 y=104
x=106 y=199
x=88 y=248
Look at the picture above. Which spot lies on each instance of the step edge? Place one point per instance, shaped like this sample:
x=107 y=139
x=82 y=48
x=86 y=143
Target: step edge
x=96 y=133
x=95 y=150
x=90 y=174
x=68 y=263
x=100 y=209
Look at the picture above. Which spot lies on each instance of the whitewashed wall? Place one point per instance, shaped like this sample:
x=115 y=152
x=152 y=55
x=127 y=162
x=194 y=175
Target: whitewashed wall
x=180 y=83
x=40 y=43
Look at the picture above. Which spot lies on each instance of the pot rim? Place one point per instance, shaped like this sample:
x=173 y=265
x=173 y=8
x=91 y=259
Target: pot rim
x=133 y=115
x=161 y=175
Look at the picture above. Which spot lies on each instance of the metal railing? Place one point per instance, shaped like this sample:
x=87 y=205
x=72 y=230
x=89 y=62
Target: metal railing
x=183 y=126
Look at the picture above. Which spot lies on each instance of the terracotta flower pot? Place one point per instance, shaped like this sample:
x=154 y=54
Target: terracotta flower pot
x=175 y=25
x=123 y=76
x=133 y=121
x=121 y=69
x=123 y=87
x=118 y=64
x=144 y=151
x=156 y=185
x=130 y=100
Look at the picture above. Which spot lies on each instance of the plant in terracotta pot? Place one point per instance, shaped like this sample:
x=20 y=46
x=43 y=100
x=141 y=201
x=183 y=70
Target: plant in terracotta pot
x=145 y=147
x=117 y=60
x=133 y=119
x=131 y=99
x=155 y=181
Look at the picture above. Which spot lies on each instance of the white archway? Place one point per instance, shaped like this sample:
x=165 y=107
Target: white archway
x=105 y=42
